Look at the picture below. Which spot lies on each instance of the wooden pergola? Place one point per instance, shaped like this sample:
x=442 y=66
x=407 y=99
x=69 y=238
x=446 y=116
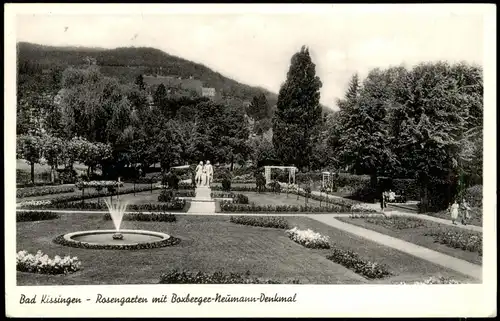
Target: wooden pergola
x=291 y=173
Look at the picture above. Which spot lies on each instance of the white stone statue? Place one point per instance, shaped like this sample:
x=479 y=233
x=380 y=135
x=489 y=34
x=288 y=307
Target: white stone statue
x=199 y=173
x=210 y=173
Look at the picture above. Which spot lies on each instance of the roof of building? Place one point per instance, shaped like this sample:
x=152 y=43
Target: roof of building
x=170 y=81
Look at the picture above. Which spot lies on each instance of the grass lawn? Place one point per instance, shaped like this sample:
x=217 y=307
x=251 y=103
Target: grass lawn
x=416 y=236
x=211 y=243
x=278 y=199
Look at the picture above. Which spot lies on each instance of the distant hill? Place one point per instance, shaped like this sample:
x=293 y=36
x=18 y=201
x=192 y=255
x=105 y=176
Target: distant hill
x=127 y=63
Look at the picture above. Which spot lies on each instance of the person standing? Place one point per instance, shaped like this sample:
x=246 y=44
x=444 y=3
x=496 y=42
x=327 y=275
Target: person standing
x=210 y=173
x=454 y=212
x=465 y=212
x=199 y=172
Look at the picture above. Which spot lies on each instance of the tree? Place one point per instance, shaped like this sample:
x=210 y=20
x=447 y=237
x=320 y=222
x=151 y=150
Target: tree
x=54 y=149
x=29 y=148
x=298 y=112
x=365 y=131
x=139 y=81
x=259 y=108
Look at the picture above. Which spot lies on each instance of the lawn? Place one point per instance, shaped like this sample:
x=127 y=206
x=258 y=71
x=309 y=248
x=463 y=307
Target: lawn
x=211 y=243
x=476 y=216
x=416 y=235
x=278 y=199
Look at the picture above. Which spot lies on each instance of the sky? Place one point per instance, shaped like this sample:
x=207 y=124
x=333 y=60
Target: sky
x=255 y=48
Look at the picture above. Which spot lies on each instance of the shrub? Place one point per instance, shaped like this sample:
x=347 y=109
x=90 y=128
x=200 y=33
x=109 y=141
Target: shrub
x=226 y=184
x=41 y=263
x=67 y=176
x=275 y=187
x=148 y=217
x=309 y=238
x=166 y=195
x=474 y=195
x=186 y=277
x=171 y=180
x=44 y=190
x=352 y=261
x=262 y=221
x=465 y=240
x=240 y=199
x=260 y=182
x=29 y=216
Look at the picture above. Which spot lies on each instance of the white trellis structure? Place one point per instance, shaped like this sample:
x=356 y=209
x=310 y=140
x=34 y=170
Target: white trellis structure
x=291 y=173
x=327 y=178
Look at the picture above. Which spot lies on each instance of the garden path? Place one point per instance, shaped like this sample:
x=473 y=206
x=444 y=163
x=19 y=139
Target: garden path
x=203 y=202
x=376 y=207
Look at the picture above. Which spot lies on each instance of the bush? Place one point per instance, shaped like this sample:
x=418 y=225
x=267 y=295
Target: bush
x=67 y=176
x=275 y=187
x=30 y=216
x=260 y=182
x=309 y=238
x=240 y=199
x=465 y=240
x=147 y=217
x=40 y=263
x=171 y=180
x=352 y=261
x=44 y=190
x=166 y=195
x=186 y=277
x=474 y=195
x=226 y=184
x=261 y=221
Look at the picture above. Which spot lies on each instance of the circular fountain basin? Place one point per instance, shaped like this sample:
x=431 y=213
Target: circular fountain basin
x=104 y=239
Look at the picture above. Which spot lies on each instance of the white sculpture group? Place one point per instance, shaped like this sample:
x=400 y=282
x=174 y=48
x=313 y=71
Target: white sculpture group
x=204 y=174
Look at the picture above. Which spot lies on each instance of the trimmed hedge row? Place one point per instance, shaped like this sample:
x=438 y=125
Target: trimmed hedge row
x=30 y=216
x=73 y=198
x=145 y=217
x=43 y=190
x=176 y=205
x=261 y=221
x=219 y=277
x=229 y=207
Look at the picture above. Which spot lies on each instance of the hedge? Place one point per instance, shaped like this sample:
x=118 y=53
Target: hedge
x=147 y=217
x=230 y=207
x=43 y=190
x=219 y=277
x=261 y=221
x=177 y=205
x=30 y=216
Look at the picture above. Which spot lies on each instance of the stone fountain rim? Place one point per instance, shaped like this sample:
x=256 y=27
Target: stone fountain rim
x=67 y=240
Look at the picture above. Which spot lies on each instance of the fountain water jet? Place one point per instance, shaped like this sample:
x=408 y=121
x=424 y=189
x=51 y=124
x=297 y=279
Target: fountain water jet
x=116 y=210
x=120 y=239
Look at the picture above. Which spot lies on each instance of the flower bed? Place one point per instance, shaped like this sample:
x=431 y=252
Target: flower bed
x=139 y=246
x=261 y=221
x=177 y=205
x=30 y=216
x=187 y=277
x=152 y=217
x=230 y=207
x=240 y=199
x=72 y=198
x=45 y=190
x=434 y=280
x=98 y=184
x=396 y=222
x=308 y=238
x=41 y=263
x=222 y=195
x=185 y=193
x=465 y=240
x=354 y=262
